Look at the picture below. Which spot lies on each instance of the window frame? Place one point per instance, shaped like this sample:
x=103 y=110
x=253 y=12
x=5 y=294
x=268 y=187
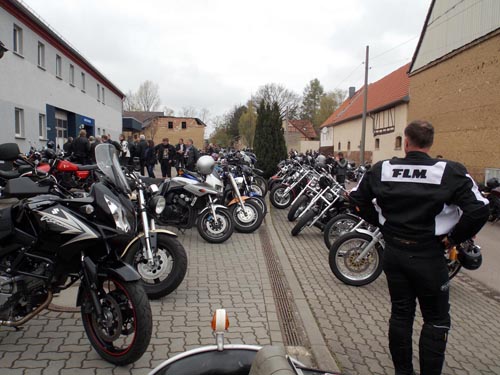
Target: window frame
x=72 y=75
x=348 y=145
x=399 y=140
x=82 y=77
x=98 y=92
x=42 y=125
x=170 y=125
x=58 y=66
x=340 y=146
x=102 y=95
x=377 y=144
x=184 y=124
x=17 y=40
x=41 y=55
x=19 y=117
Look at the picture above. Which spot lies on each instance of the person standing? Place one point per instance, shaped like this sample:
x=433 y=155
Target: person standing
x=341 y=168
x=192 y=155
x=68 y=147
x=422 y=206
x=140 y=150
x=165 y=153
x=180 y=150
x=150 y=158
x=81 y=148
x=125 y=152
x=93 y=145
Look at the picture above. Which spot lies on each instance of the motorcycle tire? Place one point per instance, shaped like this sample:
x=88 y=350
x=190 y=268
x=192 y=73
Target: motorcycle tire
x=303 y=221
x=171 y=257
x=298 y=207
x=358 y=239
x=249 y=222
x=128 y=304
x=336 y=227
x=275 y=196
x=210 y=233
x=262 y=204
x=262 y=184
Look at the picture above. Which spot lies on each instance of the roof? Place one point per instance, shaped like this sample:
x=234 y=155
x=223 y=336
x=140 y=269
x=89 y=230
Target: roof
x=452 y=26
x=141 y=116
x=35 y=23
x=305 y=127
x=382 y=94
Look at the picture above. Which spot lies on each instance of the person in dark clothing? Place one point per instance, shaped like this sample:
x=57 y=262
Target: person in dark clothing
x=422 y=206
x=180 y=150
x=93 y=145
x=140 y=149
x=68 y=147
x=341 y=168
x=81 y=148
x=165 y=153
x=150 y=158
x=192 y=155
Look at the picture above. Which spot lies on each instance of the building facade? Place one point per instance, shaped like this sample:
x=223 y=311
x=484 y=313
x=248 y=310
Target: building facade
x=49 y=91
x=300 y=135
x=455 y=82
x=173 y=128
x=386 y=119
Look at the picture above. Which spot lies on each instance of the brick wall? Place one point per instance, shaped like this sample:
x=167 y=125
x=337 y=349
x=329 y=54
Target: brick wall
x=193 y=130
x=461 y=98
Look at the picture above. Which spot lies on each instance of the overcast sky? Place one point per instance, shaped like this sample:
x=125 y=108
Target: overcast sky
x=216 y=53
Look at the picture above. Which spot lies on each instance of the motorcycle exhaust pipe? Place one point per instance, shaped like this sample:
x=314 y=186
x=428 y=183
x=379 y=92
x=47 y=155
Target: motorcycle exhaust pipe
x=31 y=315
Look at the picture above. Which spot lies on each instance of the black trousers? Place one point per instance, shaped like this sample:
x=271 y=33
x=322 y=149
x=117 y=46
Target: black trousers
x=166 y=168
x=341 y=179
x=418 y=274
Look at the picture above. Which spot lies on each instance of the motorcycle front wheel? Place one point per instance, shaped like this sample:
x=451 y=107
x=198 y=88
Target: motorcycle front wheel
x=278 y=198
x=337 y=226
x=303 y=222
x=218 y=229
x=298 y=207
x=262 y=184
x=168 y=270
x=344 y=266
x=122 y=333
x=246 y=220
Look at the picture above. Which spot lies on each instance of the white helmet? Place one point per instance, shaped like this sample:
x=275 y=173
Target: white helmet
x=321 y=159
x=205 y=164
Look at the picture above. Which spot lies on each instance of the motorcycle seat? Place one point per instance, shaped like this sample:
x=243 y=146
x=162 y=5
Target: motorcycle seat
x=6 y=226
x=150 y=180
x=89 y=167
x=8 y=175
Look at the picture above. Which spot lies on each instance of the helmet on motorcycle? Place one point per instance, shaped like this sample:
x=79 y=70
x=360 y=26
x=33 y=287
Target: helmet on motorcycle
x=493 y=183
x=469 y=255
x=205 y=164
x=51 y=144
x=321 y=159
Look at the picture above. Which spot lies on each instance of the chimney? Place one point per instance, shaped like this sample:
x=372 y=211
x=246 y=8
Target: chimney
x=352 y=91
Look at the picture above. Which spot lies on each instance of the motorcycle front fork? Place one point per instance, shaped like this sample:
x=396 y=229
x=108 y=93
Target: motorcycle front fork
x=146 y=228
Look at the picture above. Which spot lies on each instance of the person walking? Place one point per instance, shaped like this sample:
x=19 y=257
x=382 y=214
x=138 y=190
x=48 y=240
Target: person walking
x=341 y=168
x=165 y=153
x=150 y=158
x=192 y=155
x=81 y=148
x=180 y=150
x=422 y=206
x=125 y=152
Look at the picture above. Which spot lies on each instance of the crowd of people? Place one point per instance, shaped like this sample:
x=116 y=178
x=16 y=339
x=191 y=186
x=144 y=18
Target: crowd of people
x=338 y=163
x=81 y=150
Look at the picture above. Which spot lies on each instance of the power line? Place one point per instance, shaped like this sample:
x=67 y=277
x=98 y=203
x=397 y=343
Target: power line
x=348 y=76
x=393 y=48
x=445 y=12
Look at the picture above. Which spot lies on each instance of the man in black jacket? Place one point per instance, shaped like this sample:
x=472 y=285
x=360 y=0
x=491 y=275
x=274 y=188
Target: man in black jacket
x=81 y=148
x=68 y=147
x=192 y=155
x=140 y=151
x=422 y=206
x=165 y=153
x=180 y=150
x=341 y=168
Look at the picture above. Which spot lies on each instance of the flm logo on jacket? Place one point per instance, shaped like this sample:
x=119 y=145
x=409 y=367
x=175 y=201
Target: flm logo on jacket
x=69 y=224
x=420 y=174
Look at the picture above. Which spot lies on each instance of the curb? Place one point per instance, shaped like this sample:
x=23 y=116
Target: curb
x=320 y=351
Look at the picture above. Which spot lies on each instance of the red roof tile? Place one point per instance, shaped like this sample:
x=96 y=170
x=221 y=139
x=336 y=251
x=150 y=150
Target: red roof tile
x=305 y=127
x=391 y=89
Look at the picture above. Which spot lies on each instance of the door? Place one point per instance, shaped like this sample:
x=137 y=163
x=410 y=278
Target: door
x=61 y=128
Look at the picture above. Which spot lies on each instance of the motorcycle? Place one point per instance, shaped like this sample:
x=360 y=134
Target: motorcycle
x=49 y=242
x=492 y=192
x=282 y=195
x=233 y=359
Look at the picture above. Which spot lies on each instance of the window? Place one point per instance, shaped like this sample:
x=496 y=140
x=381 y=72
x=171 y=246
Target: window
x=384 y=122
x=170 y=125
x=61 y=128
x=98 y=131
x=18 y=40
x=103 y=131
x=19 y=120
x=42 y=126
x=184 y=125
x=348 y=145
x=83 y=82
x=377 y=143
x=41 y=55
x=399 y=141
x=58 y=66
x=339 y=147
x=98 y=92
x=102 y=91
x=71 y=75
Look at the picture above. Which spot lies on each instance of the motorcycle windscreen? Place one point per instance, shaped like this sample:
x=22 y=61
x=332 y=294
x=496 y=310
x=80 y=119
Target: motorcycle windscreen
x=107 y=161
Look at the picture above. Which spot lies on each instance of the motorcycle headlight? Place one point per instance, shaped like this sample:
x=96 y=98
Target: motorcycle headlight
x=157 y=204
x=329 y=196
x=118 y=214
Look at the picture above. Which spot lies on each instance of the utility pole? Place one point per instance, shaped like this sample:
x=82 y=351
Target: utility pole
x=365 y=104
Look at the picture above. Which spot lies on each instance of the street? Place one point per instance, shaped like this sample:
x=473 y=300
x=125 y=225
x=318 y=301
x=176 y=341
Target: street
x=277 y=289
x=489 y=240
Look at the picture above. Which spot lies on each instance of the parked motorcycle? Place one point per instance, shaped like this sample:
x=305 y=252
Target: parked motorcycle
x=492 y=192
x=49 y=242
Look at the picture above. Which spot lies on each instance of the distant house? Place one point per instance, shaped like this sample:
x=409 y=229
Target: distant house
x=132 y=121
x=386 y=118
x=455 y=81
x=300 y=135
x=158 y=127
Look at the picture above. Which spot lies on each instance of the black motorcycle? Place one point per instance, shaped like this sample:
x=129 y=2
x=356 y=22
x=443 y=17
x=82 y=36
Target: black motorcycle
x=49 y=242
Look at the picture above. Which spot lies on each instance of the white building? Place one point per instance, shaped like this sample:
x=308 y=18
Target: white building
x=48 y=90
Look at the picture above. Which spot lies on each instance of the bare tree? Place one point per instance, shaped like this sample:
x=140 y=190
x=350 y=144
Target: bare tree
x=130 y=102
x=148 y=96
x=188 y=111
x=204 y=114
x=168 y=111
x=287 y=100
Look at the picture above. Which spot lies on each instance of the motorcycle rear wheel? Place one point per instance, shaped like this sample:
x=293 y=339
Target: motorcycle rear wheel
x=127 y=313
x=342 y=259
x=218 y=230
x=168 y=271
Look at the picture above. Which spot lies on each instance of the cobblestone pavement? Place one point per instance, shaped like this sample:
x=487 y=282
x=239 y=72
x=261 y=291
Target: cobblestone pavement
x=232 y=275
x=354 y=320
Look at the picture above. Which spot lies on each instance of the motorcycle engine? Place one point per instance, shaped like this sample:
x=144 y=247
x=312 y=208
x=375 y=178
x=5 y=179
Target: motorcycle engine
x=19 y=295
x=177 y=207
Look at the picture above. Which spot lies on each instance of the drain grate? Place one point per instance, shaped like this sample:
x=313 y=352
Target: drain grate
x=292 y=331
